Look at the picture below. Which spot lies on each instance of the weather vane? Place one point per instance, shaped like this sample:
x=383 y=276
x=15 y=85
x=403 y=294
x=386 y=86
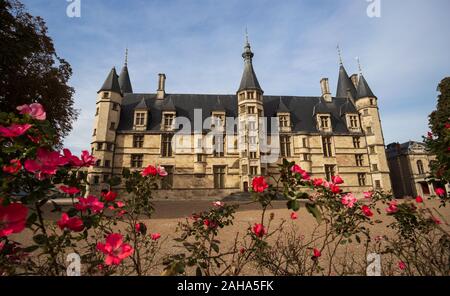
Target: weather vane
x=246 y=34
x=340 y=55
x=359 y=65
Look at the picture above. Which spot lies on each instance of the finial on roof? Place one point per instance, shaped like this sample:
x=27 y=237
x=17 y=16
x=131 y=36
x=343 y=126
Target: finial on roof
x=340 y=55
x=246 y=35
x=359 y=65
x=126 y=56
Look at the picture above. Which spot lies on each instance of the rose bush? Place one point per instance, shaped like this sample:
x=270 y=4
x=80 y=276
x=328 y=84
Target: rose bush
x=111 y=236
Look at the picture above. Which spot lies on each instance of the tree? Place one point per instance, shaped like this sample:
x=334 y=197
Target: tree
x=30 y=69
x=439 y=141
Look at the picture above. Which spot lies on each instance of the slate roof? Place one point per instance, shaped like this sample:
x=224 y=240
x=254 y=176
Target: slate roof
x=249 y=80
x=111 y=83
x=344 y=84
x=395 y=149
x=124 y=81
x=301 y=109
x=364 y=89
x=142 y=105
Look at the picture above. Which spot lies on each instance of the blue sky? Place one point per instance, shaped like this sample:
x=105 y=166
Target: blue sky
x=198 y=44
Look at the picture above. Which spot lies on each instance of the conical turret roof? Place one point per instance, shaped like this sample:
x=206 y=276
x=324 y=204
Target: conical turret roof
x=111 y=83
x=344 y=84
x=249 y=80
x=364 y=90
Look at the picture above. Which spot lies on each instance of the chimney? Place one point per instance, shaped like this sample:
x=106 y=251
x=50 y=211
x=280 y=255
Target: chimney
x=161 y=92
x=354 y=79
x=325 y=87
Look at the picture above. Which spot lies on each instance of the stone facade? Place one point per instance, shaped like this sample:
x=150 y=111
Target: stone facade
x=409 y=164
x=325 y=135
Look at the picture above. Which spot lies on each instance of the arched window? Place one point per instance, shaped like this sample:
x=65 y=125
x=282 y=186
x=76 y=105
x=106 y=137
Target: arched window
x=420 y=167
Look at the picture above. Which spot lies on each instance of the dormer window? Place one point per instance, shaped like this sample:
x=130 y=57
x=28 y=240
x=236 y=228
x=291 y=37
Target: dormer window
x=106 y=95
x=218 y=119
x=284 y=121
x=324 y=122
x=140 y=120
x=168 y=120
x=353 y=122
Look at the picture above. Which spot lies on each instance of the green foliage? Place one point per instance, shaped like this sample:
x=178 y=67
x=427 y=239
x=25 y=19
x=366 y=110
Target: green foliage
x=31 y=70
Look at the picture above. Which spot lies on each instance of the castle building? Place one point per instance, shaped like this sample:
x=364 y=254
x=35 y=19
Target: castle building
x=410 y=164
x=213 y=145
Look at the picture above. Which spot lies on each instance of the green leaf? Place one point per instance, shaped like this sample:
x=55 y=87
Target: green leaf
x=215 y=248
x=293 y=205
x=314 y=210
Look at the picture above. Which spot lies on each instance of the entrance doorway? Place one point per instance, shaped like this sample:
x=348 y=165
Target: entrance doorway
x=425 y=188
x=245 y=186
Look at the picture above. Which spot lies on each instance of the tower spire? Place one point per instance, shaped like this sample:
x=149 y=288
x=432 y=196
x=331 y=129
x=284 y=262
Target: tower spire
x=359 y=65
x=249 y=80
x=124 y=78
x=340 y=55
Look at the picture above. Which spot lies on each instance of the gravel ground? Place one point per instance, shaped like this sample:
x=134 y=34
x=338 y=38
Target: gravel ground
x=169 y=213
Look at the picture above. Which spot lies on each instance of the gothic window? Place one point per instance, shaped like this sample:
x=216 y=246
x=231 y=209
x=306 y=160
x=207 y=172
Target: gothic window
x=375 y=167
x=138 y=141
x=107 y=163
x=139 y=119
x=377 y=184
x=305 y=142
x=136 y=160
x=324 y=122
x=372 y=150
x=420 y=167
x=218 y=145
x=253 y=155
x=362 y=179
x=329 y=172
x=219 y=177
x=251 y=110
x=96 y=179
x=285 y=143
x=112 y=126
x=200 y=158
x=356 y=142
x=369 y=130
x=326 y=146
x=115 y=106
x=253 y=170
x=168 y=121
x=166 y=145
x=353 y=121
x=359 y=158
x=284 y=121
